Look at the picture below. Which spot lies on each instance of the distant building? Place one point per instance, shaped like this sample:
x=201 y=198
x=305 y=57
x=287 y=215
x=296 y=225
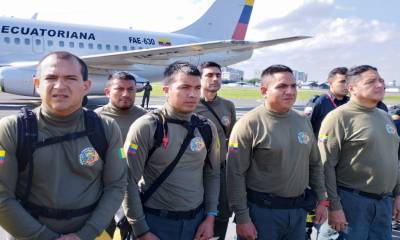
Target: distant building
x=300 y=76
x=232 y=74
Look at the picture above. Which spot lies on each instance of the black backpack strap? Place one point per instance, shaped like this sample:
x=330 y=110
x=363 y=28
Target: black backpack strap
x=203 y=101
x=27 y=135
x=160 y=133
x=168 y=170
x=95 y=132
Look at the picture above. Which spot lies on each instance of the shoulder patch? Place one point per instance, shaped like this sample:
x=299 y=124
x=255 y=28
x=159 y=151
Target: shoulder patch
x=322 y=138
x=2 y=156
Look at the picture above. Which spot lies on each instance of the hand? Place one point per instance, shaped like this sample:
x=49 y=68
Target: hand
x=206 y=229
x=337 y=220
x=246 y=231
x=70 y=236
x=396 y=208
x=321 y=213
x=148 y=236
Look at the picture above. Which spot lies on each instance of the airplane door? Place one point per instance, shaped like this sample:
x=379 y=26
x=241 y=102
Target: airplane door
x=37 y=44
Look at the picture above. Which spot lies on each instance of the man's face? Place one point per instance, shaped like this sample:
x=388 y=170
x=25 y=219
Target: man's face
x=280 y=92
x=121 y=93
x=183 y=94
x=211 y=79
x=338 y=85
x=61 y=86
x=370 y=88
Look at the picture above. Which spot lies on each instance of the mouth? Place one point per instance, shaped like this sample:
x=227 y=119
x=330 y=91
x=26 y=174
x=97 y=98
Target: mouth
x=59 y=96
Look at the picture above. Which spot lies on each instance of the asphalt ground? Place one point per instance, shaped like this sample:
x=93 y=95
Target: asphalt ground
x=10 y=104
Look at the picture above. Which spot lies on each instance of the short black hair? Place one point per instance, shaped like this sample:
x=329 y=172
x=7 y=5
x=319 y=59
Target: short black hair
x=338 y=70
x=122 y=75
x=208 y=65
x=355 y=72
x=277 y=68
x=65 y=56
x=177 y=67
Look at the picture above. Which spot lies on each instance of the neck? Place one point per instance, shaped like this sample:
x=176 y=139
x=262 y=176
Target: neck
x=208 y=96
x=275 y=110
x=338 y=97
x=364 y=103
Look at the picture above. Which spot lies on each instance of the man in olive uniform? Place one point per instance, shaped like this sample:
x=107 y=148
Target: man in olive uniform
x=185 y=204
x=121 y=91
x=74 y=193
x=358 y=144
x=222 y=112
x=272 y=159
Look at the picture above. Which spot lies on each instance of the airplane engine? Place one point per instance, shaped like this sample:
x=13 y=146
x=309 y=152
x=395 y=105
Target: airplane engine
x=18 y=80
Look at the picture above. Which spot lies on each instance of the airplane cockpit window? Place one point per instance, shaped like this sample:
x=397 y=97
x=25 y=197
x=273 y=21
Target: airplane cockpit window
x=17 y=40
x=71 y=44
x=116 y=47
x=99 y=46
x=27 y=41
x=124 y=48
x=81 y=45
x=50 y=43
x=7 y=40
x=61 y=43
x=38 y=41
x=90 y=45
x=108 y=46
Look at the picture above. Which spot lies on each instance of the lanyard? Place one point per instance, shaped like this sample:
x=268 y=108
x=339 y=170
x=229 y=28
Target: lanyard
x=332 y=101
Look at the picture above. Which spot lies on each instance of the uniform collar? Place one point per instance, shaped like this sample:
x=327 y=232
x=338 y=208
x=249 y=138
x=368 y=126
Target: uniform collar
x=172 y=113
x=357 y=106
x=277 y=115
x=117 y=111
x=60 y=121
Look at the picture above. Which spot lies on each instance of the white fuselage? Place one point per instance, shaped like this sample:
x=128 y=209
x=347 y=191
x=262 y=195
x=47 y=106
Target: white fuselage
x=29 y=40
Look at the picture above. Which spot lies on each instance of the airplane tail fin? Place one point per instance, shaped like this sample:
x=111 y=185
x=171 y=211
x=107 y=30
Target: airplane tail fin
x=225 y=19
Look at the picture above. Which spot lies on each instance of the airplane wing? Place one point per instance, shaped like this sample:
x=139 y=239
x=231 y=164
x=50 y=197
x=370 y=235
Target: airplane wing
x=162 y=55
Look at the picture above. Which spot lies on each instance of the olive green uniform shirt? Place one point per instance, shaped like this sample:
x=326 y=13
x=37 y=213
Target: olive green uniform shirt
x=192 y=182
x=124 y=118
x=66 y=175
x=272 y=153
x=225 y=110
x=358 y=148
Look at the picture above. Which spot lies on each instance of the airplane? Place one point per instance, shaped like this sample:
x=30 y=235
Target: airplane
x=218 y=35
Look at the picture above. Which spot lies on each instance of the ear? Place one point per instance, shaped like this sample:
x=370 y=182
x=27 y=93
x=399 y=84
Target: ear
x=87 y=84
x=107 y=92
x=36 y=82
x=166 y=89
x=263 y=90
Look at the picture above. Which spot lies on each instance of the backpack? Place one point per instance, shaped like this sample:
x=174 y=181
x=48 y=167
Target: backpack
x=27 y=143
x=161 y=133
x=161 y=138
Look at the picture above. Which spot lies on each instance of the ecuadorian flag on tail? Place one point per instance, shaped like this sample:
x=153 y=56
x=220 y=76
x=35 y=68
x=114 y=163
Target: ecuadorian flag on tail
x=164 y=42
x=241 y=27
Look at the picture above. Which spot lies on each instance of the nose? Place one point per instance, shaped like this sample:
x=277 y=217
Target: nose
x=59 y=83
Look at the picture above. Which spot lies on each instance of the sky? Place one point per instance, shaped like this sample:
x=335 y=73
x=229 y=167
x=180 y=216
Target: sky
x=344 y=32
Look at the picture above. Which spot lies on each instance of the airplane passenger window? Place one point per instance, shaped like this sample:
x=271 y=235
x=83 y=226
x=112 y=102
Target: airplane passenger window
x=99 y=46
x=50 y=43
x=71 y=44
x=61 y=43
x=81 y=45
x=38 y=41
x=116 y=47
x=27 y=41
x=17 y=40
x=108 y=46
x=90 y=45
x=132 y=47
x=7 y=40
x=124 y=48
